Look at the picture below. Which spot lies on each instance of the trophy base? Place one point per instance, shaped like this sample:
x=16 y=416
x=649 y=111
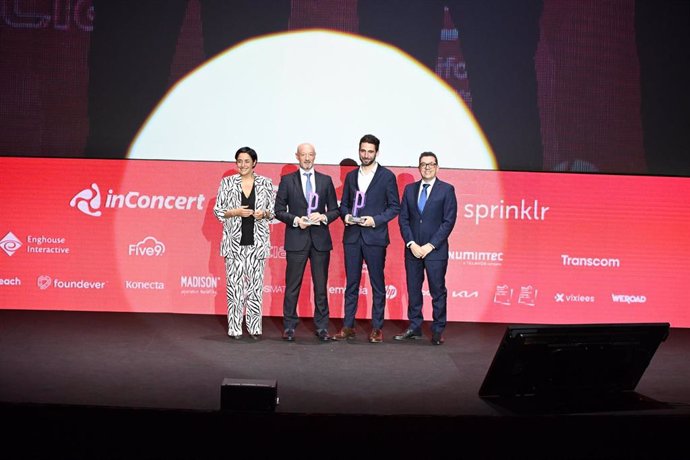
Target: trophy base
x=356 y=220
x=310 y=222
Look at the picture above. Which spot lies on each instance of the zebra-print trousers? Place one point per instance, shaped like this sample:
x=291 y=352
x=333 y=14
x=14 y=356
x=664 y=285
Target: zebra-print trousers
x=244 y=287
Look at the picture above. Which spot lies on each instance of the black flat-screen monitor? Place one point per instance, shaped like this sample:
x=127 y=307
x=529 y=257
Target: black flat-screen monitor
x=561 y=361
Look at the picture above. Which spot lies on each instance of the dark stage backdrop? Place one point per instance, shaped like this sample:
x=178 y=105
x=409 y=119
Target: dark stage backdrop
x=550 y=85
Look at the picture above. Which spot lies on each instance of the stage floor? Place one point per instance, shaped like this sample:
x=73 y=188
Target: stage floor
x=166 y=363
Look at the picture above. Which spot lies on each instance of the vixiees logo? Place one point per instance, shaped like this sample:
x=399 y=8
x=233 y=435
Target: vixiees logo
x=562 y=297
x=90 y=201
x=10 y=244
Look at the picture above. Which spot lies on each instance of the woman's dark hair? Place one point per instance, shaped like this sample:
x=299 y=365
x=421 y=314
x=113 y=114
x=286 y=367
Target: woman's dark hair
x=249 y=151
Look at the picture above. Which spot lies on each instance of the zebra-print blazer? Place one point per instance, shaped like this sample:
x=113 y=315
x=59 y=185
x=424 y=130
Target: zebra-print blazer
x=229 y=197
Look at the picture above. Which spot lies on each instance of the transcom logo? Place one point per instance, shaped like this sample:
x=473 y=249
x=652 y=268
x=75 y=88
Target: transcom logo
x=10 y=244
x=89 y=201
x=606 y=262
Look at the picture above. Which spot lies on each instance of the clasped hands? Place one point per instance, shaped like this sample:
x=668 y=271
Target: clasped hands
x=244 y=211
x=315 y=218
x=367 y=221
x=421 y=252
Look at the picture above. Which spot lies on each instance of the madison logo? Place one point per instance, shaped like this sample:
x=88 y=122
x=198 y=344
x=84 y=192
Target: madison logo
x=10 y=244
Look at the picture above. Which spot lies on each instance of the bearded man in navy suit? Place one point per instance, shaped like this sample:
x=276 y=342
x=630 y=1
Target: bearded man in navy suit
x=306 y=202
x=427 y=216
x=370 y=200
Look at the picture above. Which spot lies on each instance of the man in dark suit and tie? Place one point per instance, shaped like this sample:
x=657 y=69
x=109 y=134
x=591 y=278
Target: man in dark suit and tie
x=370 y=200
x=427 y=216
x=307 y=204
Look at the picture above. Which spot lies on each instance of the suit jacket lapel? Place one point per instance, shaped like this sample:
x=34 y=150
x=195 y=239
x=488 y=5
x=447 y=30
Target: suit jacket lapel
x=298 y=184
x=415 y=197
x=376 y=177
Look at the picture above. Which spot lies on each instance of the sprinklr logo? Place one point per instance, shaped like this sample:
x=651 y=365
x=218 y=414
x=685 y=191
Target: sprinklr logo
x=10 y=244
x=88 y=201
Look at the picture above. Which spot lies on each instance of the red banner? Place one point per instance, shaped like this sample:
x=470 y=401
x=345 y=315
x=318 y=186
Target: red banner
x=138 y=235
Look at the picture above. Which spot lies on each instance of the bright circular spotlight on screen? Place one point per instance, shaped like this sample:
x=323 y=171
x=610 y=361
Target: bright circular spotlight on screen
x=327 y=88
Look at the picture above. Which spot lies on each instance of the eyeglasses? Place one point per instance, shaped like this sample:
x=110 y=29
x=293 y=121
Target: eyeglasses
x=427 y=165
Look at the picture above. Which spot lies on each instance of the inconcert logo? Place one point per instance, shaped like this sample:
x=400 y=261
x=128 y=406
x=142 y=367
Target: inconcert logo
x=10 y=244
x=88 y=201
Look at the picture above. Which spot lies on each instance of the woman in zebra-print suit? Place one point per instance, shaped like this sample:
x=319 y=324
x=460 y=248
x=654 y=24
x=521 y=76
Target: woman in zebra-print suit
x=245 y=205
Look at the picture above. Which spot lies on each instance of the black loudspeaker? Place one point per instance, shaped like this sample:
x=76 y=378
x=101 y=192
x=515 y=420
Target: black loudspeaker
x=572 y=363
x=248 y=395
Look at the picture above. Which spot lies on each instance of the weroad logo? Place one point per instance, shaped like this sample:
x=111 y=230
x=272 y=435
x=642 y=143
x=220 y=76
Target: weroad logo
x=90 y=201
x=628 y=298
x=10 y=244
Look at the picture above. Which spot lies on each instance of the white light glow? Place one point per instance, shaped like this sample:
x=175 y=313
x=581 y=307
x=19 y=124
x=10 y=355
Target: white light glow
x=326 y=88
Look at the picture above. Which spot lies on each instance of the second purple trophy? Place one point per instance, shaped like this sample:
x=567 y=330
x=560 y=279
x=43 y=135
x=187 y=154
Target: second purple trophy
x=360 y=200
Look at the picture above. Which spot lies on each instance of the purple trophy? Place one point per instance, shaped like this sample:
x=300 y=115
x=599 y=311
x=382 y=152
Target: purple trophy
x=359 y=204
x=312 y=204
